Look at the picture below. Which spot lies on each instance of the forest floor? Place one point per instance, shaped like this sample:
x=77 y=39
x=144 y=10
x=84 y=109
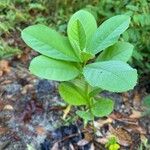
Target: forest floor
x=31 y=113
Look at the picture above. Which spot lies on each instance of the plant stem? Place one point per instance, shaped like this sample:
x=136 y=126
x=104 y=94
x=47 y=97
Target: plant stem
x=90 y=103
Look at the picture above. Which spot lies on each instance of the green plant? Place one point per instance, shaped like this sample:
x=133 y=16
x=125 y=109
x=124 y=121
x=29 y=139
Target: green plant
x=73 y=60
x=112 y=144
x=144 y=144
x=7 y=51
x=146 y=105
x=137 y=34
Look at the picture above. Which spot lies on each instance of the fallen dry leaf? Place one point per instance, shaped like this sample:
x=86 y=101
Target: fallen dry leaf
x=123 y=137
x=3 y=130
x=82 y=142
x=102 y=140
x=125 y=96
x=100 y=123
x=134 y=128
x=137 y=100
x=124 y=119
x=24 y=57
x=135 y=114
x=8 y=107
x=88 y=136
x=4 y=67
x=40 y=130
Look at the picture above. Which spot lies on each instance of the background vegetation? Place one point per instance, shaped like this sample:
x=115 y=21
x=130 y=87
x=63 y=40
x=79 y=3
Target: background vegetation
x=17 y=14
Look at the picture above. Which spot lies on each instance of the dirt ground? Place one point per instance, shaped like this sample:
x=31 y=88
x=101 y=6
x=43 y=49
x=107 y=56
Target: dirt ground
x=31 y=113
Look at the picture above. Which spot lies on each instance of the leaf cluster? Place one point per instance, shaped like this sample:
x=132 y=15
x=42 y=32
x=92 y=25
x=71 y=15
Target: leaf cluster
x=137 y=34
x=15 y=13
x=112 y=144
x=89 y=59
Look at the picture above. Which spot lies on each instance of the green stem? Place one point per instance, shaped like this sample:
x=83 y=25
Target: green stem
x=90 y=103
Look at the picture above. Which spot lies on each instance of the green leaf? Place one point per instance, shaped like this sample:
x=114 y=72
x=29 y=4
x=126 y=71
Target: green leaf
x=102 y=107
x=72 y=94
x=146 y=101
x=77 y=35
x=84 y=86
x=95 y=91
x=80 y=83
x=115 y=76
x=108 y=33
x=86 y=115
x=49 y=43
x=114 y=147
x=81 y=26
x=52 y=69
x=86 y=56
x=119 y=51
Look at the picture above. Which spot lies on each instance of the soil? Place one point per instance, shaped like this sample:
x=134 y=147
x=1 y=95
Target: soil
x=31 y=113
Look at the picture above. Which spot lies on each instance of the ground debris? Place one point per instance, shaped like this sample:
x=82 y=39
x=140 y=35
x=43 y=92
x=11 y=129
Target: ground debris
x=122 y=135
x=4 y=67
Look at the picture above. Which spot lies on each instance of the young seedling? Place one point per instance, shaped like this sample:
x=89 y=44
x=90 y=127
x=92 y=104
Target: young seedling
x=86 y=62
x=112 y=144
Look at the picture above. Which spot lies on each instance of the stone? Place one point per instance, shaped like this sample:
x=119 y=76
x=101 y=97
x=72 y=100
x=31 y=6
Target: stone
x=44 y=89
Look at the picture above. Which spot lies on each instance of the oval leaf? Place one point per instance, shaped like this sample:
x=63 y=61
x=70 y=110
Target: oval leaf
x=102 y=107
x=115 y=76
x=80 y=28
x=49 y=68
x=48 y=42
x=85 y=115
x=77 y=35
x=120 y=51
x=72 y=94
x=108 y=33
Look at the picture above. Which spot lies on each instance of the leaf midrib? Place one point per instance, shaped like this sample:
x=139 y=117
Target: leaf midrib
x=107 y=37
x=79 y=33
x=50 y=46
